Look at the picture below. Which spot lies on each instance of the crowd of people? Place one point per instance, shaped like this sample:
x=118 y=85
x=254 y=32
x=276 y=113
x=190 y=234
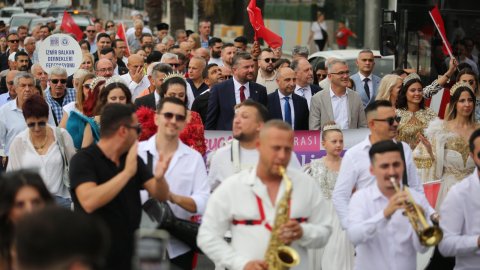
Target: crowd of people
x=126 y=133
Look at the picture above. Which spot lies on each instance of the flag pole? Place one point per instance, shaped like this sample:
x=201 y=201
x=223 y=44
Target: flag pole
x=441 y=35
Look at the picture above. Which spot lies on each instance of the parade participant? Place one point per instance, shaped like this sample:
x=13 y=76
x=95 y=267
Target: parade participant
x=212 y=74
x=267 y=75
x=389 y=88
x=366 y=83
x=58 y=95
x=354 y=172
x=247 y=203
x=43 y=147
x=186 y=174
x=241 y=153
x=383 y=236
x=339 y=252
x=304 y=75
x=135 y=78
x=21 y=192
x=106 y=179
x=459 y=216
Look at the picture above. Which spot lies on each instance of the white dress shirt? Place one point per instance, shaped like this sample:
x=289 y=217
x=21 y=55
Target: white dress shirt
x=50 y=165
x=355 y=173
x=222 y=165
x=235 y=198
x=282 y=106
x=460 y=222
x=135 y=88
x=4 y=98
x=237 y=86
x=187 y=176
x=382 y=243
x=12 y=123
x=305 y=92
x=340 y=109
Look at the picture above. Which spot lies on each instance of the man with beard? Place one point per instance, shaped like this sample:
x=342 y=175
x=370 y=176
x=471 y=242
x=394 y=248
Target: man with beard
x=59 y=95
x=305 y=87
x=22 y=60
x=228 y=52
x=339 y=104
x=354 y=171
x=266 y=73
x=215 y=44
x=20 y=63
x=241 y=152
x=224 y=96
x=158 y=74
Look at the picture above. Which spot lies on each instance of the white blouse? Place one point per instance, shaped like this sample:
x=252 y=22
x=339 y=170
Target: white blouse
x=50 y=165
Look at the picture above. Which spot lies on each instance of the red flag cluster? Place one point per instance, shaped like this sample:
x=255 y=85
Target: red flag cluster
x=273 y=40
x=123 y=36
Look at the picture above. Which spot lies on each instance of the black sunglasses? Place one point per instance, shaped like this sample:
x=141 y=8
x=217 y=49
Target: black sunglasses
x=91 y=31
x=390 y=120
x=137 y=128
x=14 y=40
x=270 y=60
x=62 y=81
x=174 y=65
x=178 y=117
x=39 y=124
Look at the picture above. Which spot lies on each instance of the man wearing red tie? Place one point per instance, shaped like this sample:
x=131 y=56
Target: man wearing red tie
x=224 y=96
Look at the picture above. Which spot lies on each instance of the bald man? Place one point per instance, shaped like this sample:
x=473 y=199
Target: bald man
x=202 y=52
x=195 y=78
x=284 y=104
x=135 y=78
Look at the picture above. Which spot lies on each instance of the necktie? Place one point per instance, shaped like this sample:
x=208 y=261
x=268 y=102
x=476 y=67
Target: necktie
x=242 y=93
x=288 y=111
x=366 y=87
x=302 y=90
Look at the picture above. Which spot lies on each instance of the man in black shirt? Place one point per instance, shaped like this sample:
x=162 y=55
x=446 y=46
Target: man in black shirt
x=106 y=179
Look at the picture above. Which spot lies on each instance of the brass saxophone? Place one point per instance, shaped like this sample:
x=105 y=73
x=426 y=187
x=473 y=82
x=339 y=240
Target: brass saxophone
x=279 y=256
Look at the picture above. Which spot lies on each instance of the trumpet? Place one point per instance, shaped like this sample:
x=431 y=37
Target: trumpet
x=428 y=235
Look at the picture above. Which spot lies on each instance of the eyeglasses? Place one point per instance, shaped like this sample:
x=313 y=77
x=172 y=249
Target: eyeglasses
x=270 y=60
x=105 y=70
x=91 y=31
x=341 y=73
x=14 y=40
x=137 y=128
x=110 y=25
x=39 y=124
x=390 y=120
x=62 y=81
x=178 y=117
x=10 y=83
x=87 y=85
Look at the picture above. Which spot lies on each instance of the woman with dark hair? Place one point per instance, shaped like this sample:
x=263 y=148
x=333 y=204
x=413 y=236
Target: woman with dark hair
x=415 y=117
x=466 y=75
x=21 y=192
x=282 y=62
x=318 y=31
x=115 y=91
x=41 y=147
x=174 y=85
x=319 y=72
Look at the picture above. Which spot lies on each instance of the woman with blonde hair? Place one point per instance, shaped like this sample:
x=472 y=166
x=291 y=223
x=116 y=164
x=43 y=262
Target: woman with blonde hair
x=389 y=88
x=87 y=62
x=194 y=41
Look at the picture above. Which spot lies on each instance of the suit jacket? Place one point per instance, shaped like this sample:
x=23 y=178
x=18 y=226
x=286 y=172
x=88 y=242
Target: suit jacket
x=222 y=101
x=200 y=105
x=359 y=88
x=321 y=110
x=122 y=70
x=300 y=110
x=147 y=101
x=315 y=89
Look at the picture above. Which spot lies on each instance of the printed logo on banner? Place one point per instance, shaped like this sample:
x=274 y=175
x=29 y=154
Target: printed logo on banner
x=54 y=42
x=65 y=42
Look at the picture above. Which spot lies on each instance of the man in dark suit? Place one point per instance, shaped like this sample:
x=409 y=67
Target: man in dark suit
x=159 y=72
x=212 y=74
x=286 y=105
x=304 y=74
x=224 y=96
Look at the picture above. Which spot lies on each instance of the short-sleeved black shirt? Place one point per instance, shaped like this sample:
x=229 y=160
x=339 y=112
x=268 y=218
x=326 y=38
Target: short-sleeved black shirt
x=122 y=215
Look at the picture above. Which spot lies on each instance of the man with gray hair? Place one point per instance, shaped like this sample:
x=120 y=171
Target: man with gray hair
x=12 y=121
x=338 y=103
x=58 y=95
x=304 y=77
x=196 y=65
x=134 y=38
x=40 y=75
x=30 y=49
x=11 y=94
x=299 y=52
x=159 y=72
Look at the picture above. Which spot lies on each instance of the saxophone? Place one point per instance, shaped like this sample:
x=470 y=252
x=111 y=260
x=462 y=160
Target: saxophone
x=279 y=256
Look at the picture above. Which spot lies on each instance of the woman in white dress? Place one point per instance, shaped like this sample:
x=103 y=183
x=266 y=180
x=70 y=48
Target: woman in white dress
x=339 y=252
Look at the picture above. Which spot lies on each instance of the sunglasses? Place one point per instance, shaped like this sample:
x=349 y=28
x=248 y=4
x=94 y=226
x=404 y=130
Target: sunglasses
x=174 y=65
x=321 y=75
x=110 y=25
x=62 y=81
x=270 y=60
x=91 y=31
x=14 y=40
x=390 y=120
x=178 y=117
x=39 y=124
x=137 y=128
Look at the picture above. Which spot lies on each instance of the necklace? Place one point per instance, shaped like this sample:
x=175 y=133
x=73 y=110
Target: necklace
x=42 y=145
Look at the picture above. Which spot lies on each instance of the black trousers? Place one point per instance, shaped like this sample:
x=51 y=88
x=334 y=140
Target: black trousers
x=320 y=43
x=438 y=262
x=184 y=261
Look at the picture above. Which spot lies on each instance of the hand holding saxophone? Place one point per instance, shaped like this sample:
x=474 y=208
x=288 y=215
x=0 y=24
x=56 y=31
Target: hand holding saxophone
x=290 y=232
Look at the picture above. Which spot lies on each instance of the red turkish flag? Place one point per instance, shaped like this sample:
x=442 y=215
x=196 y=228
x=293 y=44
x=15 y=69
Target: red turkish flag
x=273 y=40
x=438 y=21
x=69 y=26
x=123 y=36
